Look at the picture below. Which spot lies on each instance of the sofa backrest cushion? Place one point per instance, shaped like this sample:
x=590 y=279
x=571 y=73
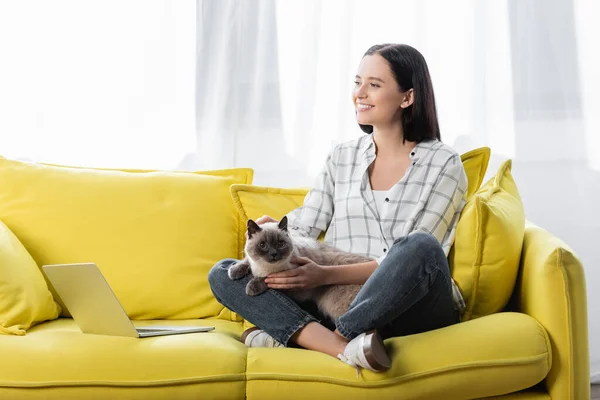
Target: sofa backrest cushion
x=484 y=260
x=475 y=163
x=153 y=234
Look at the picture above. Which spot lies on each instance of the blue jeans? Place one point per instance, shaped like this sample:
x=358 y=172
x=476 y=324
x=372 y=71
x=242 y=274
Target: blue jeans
x=409 y=292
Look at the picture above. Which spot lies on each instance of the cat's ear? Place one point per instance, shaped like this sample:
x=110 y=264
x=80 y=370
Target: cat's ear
x=283 y=224
x=252 y=228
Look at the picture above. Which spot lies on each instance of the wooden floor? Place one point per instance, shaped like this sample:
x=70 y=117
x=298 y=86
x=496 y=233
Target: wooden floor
x=595 y=392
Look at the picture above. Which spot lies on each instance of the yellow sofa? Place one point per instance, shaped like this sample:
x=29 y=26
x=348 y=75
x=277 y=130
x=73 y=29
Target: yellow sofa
x=156 y=234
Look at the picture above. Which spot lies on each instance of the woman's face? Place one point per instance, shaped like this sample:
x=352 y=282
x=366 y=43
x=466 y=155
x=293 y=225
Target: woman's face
x=376 y=94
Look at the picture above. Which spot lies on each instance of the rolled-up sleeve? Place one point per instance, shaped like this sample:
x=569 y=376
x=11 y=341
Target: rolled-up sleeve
x=314 y=216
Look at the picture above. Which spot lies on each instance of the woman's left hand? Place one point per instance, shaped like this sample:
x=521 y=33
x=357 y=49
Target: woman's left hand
x=308 y=275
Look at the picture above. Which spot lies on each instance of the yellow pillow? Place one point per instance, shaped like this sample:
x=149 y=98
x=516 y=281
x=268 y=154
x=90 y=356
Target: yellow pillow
x=24 y=296
x=252 y=202
x=487 y=249
x=475 y=163
x=153 y=234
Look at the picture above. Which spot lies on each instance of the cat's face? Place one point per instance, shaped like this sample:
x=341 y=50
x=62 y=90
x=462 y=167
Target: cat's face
x=270 y=244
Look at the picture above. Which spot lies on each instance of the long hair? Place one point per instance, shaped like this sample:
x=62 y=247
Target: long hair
x=419 y=120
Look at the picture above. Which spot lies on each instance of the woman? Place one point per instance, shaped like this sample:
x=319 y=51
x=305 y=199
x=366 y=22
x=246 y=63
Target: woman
x=394 y=194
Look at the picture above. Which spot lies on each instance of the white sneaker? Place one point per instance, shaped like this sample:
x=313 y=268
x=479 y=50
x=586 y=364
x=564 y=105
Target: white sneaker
x=366 y=351
x=255 y=337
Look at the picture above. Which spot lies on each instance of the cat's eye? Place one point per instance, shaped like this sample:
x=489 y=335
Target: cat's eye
x=281 y=244
x=262 y=245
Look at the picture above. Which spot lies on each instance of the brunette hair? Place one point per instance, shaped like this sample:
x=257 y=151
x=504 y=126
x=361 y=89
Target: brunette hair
x=419 y=120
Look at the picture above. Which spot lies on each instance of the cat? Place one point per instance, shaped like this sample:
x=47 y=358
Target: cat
x=269 y=249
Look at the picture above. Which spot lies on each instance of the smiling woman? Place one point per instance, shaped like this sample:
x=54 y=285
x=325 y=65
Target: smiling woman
x=394 y=196
x=396 y=74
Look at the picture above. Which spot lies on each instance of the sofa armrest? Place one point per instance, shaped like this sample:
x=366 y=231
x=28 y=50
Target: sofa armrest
x=551 y=288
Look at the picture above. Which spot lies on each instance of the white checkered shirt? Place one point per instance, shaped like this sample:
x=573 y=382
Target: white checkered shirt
x=429 y=198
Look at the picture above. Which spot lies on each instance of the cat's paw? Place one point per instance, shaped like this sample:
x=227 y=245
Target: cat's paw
x=256 y=286
x=238 y=270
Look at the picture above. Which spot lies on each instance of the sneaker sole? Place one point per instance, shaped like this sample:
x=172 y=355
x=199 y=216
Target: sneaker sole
x=247 y=332
x=375 y=352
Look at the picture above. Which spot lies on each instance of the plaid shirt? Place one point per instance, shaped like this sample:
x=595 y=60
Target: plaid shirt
x=429 y=198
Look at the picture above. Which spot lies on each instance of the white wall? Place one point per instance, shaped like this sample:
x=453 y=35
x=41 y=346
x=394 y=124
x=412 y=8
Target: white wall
x=98 y=82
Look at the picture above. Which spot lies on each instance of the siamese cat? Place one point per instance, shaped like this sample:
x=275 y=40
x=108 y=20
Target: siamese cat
x=269 y=249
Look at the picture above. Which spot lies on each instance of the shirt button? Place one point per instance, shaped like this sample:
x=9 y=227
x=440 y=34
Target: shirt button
x=414 y=163
x=412 y=154
x=384 y=250
x=387 y=199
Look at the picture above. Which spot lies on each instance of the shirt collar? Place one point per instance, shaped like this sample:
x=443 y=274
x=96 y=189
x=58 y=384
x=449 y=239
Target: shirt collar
x=368 y=147
x=422 y=148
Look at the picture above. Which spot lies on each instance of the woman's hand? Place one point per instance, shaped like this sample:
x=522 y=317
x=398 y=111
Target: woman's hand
x=264 y=219
x=308 y=275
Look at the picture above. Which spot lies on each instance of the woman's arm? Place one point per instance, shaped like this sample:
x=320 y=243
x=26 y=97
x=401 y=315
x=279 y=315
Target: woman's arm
x=444 y=205
x=352 y=274
x=315 y=215
x=309 y=275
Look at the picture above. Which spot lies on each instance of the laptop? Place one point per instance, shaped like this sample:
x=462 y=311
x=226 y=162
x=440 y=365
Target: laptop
x=94 y=306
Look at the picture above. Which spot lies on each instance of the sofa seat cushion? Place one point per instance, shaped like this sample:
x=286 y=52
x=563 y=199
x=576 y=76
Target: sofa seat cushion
x=57 y=355
x=524 y=395
x=489 y=356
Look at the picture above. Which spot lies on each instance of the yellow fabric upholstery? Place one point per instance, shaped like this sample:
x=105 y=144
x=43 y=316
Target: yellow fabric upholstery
x=56 y=361
x=494 y=355
x=551 y=288
x=489 y=236
x=475 y=163
x=525 y=395
x=24 y=296
x=252 y=202
x=424 y=366
x=153 y=234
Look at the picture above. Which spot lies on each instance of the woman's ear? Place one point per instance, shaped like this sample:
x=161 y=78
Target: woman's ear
x=408 y=98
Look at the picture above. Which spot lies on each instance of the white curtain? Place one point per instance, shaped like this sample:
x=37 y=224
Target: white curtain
x=274 y=77
x=98 y=82
x=274 y=81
